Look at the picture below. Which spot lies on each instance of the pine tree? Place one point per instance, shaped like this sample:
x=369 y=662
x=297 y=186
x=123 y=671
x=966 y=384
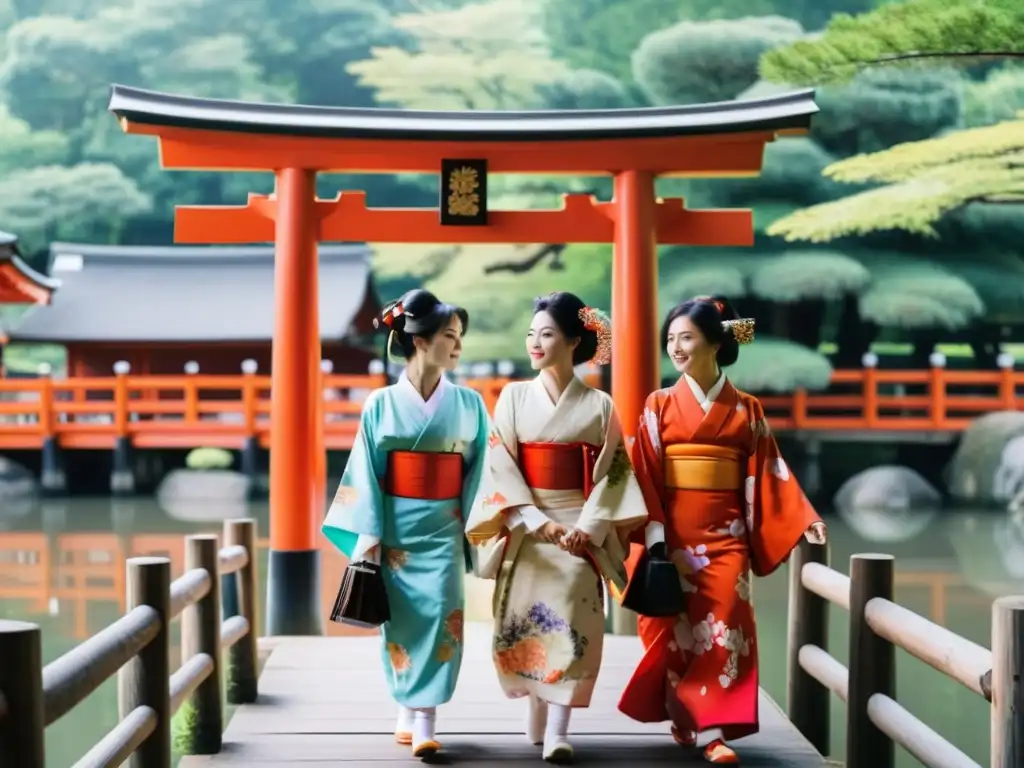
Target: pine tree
x=924 y=180
x=915 y=31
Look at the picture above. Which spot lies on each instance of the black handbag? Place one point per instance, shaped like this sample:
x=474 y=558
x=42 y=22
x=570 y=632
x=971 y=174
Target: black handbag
x=655 y=589
x=362 y=600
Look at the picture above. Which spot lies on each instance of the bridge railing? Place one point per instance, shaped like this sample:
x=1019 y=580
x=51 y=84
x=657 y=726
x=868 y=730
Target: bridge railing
x=875 y=721
x=236 y=407
x=136 y=647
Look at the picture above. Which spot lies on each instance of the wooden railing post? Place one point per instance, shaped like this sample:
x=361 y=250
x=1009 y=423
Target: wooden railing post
x=937 y=389
x=869 y=389
x=203 y=720
x=191 y=393
x=1007 y=749
x=799 y=414
x=145 y=680
x=872 y=664
x=22 y=722
x=1007 y=381
x=808 y=701
x=122 y=475
x=242 y=673
x=52 y=477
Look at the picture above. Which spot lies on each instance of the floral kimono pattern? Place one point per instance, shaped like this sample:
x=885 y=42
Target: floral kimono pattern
x=421 y=541
x=548 y=605
x=700 y=668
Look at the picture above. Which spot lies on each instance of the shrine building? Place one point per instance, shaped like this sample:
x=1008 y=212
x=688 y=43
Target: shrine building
x=161 y=307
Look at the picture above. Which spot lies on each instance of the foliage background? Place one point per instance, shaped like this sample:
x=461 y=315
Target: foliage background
x=68 y=173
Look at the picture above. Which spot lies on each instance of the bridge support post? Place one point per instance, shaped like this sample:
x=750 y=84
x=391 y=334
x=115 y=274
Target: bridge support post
x=293 y=572
x=251 y=465
x=636 y=351
x=52 y=478
x=872 y=664
x=122 y=473
x=22 y=721
x=811 y=476
x=1007 y=733
x=808 y=701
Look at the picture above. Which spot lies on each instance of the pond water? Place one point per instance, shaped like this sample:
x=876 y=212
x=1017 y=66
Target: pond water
x=61 y=566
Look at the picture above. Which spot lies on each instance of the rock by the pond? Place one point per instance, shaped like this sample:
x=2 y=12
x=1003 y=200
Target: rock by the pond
x=887 y=504
x=887 y=487
x=202 y=495
x=988 y=466
x=18 y=489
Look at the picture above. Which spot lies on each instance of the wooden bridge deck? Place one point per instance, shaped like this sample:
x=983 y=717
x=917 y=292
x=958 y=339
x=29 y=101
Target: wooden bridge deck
x=323 y=701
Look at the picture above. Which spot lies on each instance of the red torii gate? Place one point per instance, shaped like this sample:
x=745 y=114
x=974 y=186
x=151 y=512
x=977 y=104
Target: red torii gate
x=297 y=142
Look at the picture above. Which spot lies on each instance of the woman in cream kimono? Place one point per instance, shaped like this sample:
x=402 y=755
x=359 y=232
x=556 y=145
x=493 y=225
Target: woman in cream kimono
x=413 y=472
x=557 y=503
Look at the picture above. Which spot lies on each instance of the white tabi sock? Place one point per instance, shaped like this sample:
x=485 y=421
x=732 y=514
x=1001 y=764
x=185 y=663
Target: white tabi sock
x=423 y=725
x=536 y=720
x=405 y=718
x=556 y=735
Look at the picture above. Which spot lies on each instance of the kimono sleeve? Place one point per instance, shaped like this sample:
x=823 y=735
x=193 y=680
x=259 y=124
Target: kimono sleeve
x=355 y=520
x=646 y=456
x=476 y=465
x=778 y=513
x=502 y=486
x=616 y=503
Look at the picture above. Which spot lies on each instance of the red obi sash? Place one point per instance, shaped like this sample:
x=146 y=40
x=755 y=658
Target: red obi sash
x=423 y=475
x=559 y=466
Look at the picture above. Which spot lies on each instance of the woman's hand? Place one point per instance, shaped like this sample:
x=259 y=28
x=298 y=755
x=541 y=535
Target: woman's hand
x=551 y=532
x=575 y=542
x=817 y=533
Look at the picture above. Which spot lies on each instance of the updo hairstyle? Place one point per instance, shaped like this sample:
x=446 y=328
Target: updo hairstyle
x=564 y=309
x=422 y=315
x=708 y=313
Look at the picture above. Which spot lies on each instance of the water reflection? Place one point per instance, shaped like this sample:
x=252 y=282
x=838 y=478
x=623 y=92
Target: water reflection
x=888 y=526
x=62 y=566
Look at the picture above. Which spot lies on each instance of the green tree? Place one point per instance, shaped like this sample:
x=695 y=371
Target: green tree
x=924 y=180
x=808 y=293
x=921 y=31
x=692 y=62
x=59 y=56
x=49 y=202
x=486 y=55
x=602 y=34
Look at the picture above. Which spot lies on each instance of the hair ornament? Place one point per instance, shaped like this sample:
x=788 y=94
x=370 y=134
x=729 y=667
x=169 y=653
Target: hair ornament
x=742 y=329
x=597 y=321
x=391 y=312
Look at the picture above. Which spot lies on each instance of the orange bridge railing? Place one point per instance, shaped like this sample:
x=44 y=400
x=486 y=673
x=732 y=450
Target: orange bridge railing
x=192 y=410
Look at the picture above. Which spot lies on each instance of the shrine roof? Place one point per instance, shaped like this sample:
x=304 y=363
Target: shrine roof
x=791 y=110
x=22 y=284
x=186 y=294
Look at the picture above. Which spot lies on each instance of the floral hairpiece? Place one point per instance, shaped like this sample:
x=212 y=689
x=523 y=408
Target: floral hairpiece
x=597 y=321
x=741 y=329
x=391 y=313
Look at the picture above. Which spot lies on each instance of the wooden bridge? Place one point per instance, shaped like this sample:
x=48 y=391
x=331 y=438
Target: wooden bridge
x=322 y=700
x=189 y=411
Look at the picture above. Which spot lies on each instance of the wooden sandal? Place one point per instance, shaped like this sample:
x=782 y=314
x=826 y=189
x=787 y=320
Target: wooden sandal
x=687 y=739
x=718 y=753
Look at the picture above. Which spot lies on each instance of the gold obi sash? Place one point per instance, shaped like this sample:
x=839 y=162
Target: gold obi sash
x=696 y=467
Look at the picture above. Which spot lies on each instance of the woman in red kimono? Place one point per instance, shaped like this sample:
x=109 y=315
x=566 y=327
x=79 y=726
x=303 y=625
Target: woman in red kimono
x=722 y=503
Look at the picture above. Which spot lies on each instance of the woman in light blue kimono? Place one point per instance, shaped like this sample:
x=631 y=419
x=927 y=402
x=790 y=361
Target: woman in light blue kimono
x=409 y=483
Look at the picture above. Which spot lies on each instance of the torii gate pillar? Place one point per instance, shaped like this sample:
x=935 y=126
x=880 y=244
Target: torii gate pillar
x=293 y=577
x=634 y=297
